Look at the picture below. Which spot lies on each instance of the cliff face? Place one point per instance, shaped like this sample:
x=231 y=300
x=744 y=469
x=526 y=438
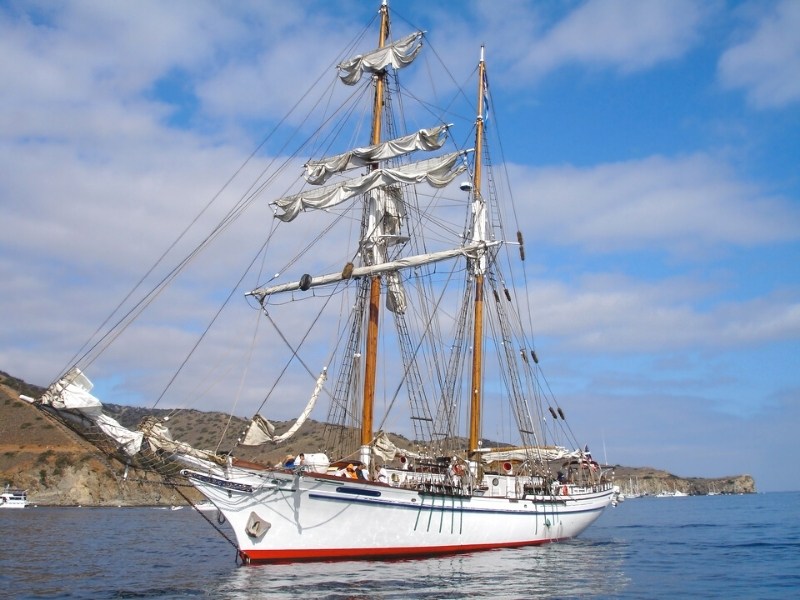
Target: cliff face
x=646 y=480
x=58 y=467
x=80 y=479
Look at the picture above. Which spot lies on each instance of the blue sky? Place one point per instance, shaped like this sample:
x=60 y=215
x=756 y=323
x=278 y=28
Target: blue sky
x=656 y=143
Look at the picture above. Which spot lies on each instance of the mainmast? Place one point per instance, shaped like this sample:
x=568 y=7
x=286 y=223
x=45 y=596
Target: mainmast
x=373 y=232
x=479 y=268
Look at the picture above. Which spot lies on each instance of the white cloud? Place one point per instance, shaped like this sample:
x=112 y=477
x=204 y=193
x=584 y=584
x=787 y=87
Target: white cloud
x=90 y=70
x=683 y=205
x=526 y=41
x=617 y=314
x=683 y=434
x=767 y=63
x=620 y=35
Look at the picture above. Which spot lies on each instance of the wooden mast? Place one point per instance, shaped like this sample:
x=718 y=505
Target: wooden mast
x=478 y=234
x=370 y=365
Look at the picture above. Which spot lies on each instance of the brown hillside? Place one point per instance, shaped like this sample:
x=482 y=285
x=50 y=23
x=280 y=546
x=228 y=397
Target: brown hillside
x=57 y=466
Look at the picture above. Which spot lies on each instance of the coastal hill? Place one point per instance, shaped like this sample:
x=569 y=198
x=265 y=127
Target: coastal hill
x=58 y=467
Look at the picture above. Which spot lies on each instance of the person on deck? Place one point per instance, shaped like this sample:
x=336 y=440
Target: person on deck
x=383 y=475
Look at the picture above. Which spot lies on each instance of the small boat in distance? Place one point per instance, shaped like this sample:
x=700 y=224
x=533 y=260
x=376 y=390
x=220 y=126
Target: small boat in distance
x=673 y=494
x=13 y=498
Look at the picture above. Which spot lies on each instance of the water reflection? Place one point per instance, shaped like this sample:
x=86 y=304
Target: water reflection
x=575 y=569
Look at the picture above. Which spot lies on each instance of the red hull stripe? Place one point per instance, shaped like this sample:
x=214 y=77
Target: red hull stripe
x=362 y=553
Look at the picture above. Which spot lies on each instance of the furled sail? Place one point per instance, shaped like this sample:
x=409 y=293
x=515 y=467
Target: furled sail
x=438 y=172
x=399 y=54
x=396 y=296
x=262 y=431
x=159 y=437
x=318 y=171
x=71 y=397
x=383 y=447
x=73 y=393
x=306 y=282
x=544 y=452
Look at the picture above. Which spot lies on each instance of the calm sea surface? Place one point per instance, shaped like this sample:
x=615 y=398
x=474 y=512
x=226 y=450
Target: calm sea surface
x=700 y=547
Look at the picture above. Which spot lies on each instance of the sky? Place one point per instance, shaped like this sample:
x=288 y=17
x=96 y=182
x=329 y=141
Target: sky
x=658 y=141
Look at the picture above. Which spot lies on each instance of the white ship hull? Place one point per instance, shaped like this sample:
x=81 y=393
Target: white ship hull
x=311 y=516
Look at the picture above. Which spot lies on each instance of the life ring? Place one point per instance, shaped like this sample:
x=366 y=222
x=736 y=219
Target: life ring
x=459 y=470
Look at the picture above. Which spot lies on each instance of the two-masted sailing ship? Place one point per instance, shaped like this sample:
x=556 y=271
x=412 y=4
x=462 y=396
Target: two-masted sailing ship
x=427 y=316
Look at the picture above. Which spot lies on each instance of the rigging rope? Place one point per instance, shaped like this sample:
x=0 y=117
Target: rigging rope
x=200 y=512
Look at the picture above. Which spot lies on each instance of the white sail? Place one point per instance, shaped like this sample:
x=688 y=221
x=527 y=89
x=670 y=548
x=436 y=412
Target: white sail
x=399 y=54
x=473 y=251
x=437 y=172
x=395 y=294
x=262 y=431
x=73 y=393
x=525 y=453
x=159 y=437
x=383 y=447
x=318 y=171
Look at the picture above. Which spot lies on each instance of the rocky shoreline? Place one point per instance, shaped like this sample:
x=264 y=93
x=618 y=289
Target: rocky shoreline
x=651 y=482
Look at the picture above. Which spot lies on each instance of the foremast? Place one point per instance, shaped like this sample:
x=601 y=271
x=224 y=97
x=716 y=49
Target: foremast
x=373 y=252
x=479 y=235
x=381 y=218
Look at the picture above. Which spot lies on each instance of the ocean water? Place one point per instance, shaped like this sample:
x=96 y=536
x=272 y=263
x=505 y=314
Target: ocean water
x=699 y=547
